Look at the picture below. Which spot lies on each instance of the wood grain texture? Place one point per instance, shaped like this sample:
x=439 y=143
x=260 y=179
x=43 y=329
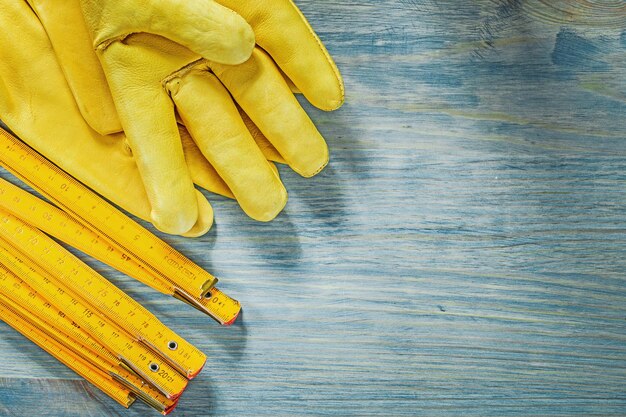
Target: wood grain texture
x=463 y=254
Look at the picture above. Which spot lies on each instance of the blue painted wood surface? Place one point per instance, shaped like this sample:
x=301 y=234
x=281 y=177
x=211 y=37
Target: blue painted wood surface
x=463 y=254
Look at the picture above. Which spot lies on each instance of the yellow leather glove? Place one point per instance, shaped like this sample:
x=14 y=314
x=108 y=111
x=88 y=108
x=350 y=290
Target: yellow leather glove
x=37 y=105
x=150 y=75
x=201 y=25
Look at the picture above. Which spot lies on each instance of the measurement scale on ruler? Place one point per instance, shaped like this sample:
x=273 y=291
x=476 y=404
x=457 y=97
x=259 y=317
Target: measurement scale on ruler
x=65 y=336
x=69 y=344
x=108 y=332
x=32 y=253
x=85 y=369
x=51 y=329
x=124 y=244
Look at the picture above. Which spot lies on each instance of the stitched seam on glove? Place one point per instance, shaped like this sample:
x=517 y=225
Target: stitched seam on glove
x=180 y=73
x=106 y=43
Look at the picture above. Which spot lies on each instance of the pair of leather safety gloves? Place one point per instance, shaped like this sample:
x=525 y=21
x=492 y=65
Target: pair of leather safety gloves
x=140 y=99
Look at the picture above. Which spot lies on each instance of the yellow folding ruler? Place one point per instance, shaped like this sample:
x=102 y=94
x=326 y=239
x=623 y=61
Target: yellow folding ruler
x=82 y=354
x=83 y=368
x=69 y=310
x=66 y=341
x=93 y=326
x=94 y=226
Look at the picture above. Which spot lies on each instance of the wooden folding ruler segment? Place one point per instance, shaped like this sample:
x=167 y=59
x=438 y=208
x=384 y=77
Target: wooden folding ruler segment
x=97 y=228
x=86 y=288
x=85 y=369
x=93 y=340
x=69 y=310
x=78 y=350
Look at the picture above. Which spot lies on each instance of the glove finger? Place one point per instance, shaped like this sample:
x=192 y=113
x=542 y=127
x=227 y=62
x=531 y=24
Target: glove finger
x=213 y=121
x=157 y=149
x=283 y=32
x=134 y=70
x=207 y=28
x=154 y=140
x=205 y=217
x=265 y=96
x=201 y=170
x=79 y=62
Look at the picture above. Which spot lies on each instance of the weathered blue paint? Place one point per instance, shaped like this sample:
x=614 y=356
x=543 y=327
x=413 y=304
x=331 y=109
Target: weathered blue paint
x=463 y=254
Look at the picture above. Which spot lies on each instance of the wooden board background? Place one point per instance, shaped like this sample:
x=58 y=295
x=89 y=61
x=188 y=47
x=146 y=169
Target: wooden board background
x=463 y=254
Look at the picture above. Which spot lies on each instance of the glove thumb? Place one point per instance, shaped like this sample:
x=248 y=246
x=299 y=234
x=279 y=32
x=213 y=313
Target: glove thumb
x=205 y=27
